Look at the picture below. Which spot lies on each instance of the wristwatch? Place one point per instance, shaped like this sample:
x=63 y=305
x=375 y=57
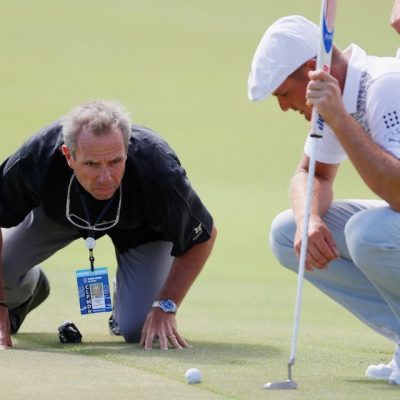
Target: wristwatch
x=166 y=305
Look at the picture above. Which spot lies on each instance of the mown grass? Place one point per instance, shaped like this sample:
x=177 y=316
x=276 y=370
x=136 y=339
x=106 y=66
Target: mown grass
x=181 y=68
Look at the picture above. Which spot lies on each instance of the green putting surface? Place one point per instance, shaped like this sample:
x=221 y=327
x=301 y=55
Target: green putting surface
x=180 y=67
x=48 y=373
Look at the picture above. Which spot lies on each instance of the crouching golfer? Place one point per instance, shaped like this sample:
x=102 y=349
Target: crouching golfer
x=354 y=245
x=93 y=173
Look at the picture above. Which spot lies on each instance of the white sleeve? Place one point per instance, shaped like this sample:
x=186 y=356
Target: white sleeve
x=329 y=150
x=383 y=112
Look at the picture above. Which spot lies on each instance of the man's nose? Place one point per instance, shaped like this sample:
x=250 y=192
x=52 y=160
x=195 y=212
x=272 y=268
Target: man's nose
x=104 y=175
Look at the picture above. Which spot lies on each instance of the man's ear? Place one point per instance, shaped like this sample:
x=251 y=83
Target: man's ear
x=67 y=153
x=311 y=64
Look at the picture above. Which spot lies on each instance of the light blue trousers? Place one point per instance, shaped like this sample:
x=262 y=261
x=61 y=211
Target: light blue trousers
x=365 y=279
x=140 y=275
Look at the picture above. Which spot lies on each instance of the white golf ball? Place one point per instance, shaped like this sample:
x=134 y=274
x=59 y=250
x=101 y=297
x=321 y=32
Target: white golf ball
x=193 y=375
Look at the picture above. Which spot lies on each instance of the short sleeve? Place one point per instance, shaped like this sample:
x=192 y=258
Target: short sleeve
x=183 y=218
x=329 y=150
x=383 y=111
x=16 y=198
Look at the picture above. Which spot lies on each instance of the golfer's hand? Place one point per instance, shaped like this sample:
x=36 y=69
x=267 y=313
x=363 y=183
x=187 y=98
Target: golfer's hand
x=5 y=335
x=161 y=326
x=323 y=92
x=321 y=248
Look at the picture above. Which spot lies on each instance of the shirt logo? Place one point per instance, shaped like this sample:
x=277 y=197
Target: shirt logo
x=391 y=119
x=392 y=124
x=198 y=230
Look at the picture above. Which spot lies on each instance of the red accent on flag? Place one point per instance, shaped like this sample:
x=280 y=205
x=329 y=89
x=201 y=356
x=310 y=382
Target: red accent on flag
x=329 y=13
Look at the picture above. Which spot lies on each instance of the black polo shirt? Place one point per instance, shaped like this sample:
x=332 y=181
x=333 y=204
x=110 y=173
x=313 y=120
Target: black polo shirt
x=158 y=201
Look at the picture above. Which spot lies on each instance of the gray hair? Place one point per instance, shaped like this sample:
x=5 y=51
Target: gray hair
x=100 y=116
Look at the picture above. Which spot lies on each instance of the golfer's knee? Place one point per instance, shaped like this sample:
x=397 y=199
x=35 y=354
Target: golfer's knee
x=364 y=241
x=281 y=239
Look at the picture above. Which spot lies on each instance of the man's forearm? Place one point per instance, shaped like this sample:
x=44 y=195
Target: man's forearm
x=185 y=270
x=2 y=292
x=322 y=196
x=379 y=169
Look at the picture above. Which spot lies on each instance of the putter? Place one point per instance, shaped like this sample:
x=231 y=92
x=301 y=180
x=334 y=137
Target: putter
x=328 y=8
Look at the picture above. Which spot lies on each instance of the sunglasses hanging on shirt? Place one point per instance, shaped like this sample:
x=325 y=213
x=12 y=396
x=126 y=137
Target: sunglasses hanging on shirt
x=86 y=224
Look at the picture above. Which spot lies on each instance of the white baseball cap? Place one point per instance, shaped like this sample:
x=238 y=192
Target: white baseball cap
x=286 y=45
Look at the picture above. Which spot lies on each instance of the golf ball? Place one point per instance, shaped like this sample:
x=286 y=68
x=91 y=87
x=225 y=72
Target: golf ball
x=193 y=375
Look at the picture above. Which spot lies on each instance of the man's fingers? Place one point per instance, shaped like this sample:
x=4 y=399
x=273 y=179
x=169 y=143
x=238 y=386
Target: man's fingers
x=181 y=341
x=163 y=342
x=149 y=340
x=5 y=341
x=309 y=268
x=161 y=326
x=174 y=341
x=142 y=339
x=5 y=344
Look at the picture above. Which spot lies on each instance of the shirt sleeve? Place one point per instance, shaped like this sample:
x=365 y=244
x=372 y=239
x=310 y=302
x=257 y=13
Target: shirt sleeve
x=16 y=197
x=383 y=112
x=329 y=150
x=179 y=213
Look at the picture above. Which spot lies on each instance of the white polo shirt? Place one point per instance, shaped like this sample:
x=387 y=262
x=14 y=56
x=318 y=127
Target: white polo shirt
x=372 y=96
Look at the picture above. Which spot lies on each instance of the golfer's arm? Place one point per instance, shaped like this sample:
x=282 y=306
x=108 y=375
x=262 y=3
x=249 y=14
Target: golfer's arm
x=322 y=189
x=185 y=270
x=379 y=169
x=2 y=292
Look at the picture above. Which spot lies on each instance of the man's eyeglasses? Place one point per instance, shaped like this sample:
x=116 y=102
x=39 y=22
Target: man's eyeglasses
x=85 y=224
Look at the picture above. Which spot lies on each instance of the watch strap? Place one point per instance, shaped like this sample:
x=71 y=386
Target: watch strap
x=166 y=305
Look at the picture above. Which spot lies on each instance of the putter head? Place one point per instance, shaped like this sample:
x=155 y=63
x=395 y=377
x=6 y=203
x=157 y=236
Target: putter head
x=285 y=385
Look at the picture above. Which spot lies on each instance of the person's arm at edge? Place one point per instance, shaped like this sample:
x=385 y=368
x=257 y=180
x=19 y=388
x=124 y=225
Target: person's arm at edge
x=5 y=337
x=395 y=16
x=383 y=179
x=184 y=272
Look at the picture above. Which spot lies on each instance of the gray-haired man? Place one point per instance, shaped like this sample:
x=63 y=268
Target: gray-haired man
x=91 y=174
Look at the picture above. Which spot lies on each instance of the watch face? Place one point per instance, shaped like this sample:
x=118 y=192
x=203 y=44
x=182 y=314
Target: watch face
x=168 y=305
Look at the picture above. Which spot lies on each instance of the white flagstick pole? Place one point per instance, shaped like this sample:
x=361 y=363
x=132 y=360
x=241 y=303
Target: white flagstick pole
x=317 y=126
